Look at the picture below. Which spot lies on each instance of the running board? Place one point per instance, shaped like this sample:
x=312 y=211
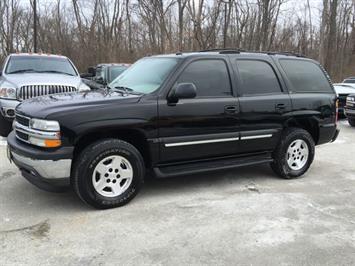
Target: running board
x=211 y=165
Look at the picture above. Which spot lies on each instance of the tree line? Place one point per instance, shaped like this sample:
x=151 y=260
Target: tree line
x=94 y=31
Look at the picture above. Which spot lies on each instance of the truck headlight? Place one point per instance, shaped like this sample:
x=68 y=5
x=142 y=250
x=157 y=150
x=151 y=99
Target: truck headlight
x=8 y=93
x=83 y=87
x=45 y=125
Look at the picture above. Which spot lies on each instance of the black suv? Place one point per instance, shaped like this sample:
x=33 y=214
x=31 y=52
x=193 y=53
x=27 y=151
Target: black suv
x=177 y=114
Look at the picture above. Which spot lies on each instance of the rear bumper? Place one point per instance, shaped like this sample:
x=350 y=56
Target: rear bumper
x=48 y=170
x=336 y=134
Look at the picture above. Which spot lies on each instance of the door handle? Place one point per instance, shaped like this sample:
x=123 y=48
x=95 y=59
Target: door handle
x=230 y=109
x=280 y=107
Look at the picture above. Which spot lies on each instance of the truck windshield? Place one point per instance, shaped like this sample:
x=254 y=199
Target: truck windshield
x=39 y=64
x=146 y=75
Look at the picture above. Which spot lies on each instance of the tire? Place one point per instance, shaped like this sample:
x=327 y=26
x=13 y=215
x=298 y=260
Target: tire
x=351 y=122
x=5 y=127
x=290 y=158
x=99 y=173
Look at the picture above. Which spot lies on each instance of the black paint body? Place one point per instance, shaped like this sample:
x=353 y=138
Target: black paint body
x=151 y=121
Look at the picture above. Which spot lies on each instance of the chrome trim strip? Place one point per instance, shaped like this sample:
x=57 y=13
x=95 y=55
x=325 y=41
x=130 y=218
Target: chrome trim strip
x=36 y=133
x=256 y=137
x=200 y=142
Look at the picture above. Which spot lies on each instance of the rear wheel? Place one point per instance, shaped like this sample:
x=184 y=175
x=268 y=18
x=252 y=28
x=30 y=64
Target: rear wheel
x=108 y=173
x=294 y=154
x=351 y=122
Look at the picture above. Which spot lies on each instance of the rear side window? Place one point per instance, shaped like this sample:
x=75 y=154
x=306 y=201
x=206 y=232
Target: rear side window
x=210 y=77
x=305 y=76
x=257 y=77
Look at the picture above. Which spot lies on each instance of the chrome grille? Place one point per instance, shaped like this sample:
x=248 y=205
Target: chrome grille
x=30 y=91
x=23 y=120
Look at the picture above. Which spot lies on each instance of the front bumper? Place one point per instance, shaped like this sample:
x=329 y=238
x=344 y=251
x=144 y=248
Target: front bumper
x=349 y=112
x=48 y=170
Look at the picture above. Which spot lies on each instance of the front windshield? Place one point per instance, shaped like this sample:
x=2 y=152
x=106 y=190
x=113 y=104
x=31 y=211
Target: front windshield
x=146 y=75
x=41 y=64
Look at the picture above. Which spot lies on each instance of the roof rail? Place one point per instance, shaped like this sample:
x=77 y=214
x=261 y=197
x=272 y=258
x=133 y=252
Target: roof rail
x=224 y=50
x=285 y=53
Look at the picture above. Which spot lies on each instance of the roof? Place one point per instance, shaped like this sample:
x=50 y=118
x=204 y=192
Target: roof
x=113 y=64
x=37 y=54
x=231 y=51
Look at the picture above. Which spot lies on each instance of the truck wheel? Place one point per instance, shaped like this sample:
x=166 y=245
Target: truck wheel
x=5 y=127
x=351 y=122
x=294 y=154
x=108 y=173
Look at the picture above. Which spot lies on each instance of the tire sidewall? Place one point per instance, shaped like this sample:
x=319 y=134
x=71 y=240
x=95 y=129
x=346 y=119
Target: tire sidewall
x=309 y=141
x=86 y=168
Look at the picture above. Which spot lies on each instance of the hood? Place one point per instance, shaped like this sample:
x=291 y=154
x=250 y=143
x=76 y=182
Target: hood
x=344 y=88
x=49 y=105
x=22 y=79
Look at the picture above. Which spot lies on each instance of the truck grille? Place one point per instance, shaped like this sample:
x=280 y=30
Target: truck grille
x=30 y=91
x=23 y=120
x=24 y=123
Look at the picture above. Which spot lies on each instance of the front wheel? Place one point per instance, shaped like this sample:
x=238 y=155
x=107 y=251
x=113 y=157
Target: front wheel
x=351 y=122
x=108 y=173
x=294 y=154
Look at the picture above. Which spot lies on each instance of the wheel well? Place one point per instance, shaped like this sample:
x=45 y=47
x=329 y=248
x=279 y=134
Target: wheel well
x=134 y=137
x=307 y=124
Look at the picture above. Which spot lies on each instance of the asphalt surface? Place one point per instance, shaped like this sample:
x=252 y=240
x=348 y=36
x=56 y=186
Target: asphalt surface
x=246 y=216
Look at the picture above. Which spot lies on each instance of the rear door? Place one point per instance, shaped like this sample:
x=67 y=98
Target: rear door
x=264 y=104
x=203 y=127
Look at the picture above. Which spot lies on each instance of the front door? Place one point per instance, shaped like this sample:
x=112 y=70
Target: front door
x=203 y=127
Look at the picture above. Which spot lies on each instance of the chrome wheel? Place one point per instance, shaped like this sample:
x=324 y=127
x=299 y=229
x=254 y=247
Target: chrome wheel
x=297 y=154
x=112 y=176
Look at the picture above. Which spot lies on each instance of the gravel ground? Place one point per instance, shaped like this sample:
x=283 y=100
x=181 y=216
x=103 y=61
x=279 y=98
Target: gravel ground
x=245 y=216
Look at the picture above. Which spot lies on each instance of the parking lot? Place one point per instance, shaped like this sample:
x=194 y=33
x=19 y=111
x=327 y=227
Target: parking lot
x=243 y=216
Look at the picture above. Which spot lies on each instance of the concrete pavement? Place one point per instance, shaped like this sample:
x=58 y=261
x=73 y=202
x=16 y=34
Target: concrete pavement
x=247 y=216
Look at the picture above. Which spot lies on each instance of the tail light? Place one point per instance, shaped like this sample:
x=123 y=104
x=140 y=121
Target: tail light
x=336 y=110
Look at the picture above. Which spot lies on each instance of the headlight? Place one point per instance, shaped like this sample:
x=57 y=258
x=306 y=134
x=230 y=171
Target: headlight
x=9 y=93
x=83 y=87
x=350 y=99
x=44 y=125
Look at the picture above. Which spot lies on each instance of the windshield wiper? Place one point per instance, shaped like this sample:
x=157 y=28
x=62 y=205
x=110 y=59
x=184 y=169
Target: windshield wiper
x=125 y=90
x=22 y=71
x=55 y=71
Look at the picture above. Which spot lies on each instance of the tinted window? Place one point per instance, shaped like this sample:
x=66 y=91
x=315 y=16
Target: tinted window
x=305 y=76
x=257 y=77
x=210 y=77
x=349 y=81
x=39 y=64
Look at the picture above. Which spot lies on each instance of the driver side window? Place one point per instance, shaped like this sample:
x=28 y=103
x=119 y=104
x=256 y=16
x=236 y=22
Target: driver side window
x=210 y=76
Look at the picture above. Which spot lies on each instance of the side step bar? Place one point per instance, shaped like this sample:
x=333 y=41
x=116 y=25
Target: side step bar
x=211 y=165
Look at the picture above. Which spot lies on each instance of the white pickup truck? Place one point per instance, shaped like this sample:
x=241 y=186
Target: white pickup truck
x=25 y=76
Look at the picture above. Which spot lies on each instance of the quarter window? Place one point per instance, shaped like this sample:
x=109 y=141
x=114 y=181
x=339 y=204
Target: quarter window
x=257 y=77
x=305 y=76
x=210 y=77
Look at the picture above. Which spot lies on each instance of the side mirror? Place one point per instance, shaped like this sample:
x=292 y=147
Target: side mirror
x=86 y=75
x=182 y=91
x=100 y=80
x=92 y=71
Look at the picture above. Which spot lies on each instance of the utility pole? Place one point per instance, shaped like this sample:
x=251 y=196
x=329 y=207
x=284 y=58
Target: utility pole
x=225 y=29
x=35 y=26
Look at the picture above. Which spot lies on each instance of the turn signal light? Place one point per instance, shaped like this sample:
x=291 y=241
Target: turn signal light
x=52 y=143
x=337 y=110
